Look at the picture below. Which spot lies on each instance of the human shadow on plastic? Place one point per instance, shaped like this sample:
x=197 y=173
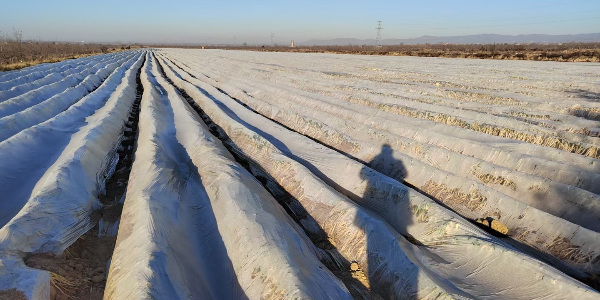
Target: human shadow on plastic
x=389 y=204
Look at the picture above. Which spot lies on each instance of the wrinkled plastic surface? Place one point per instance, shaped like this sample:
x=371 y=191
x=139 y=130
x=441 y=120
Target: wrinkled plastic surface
x=463 y=248
x=49 y=175
x=197 y=225
x=413 y=163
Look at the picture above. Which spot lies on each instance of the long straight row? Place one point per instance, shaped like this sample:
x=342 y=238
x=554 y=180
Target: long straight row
x=268 y=176
x=290 y=161
x=53 y=170
x=520 y=191
x=44 y=102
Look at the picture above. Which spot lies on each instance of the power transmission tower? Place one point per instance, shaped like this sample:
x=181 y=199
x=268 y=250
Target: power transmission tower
x=272 y=36
x=234 y=42
x=379 y=28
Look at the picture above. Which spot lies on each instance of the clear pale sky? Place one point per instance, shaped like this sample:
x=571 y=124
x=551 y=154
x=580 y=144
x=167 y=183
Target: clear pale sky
x=177 y=21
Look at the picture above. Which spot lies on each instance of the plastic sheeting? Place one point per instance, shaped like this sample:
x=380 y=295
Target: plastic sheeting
x=49 y=79
x=457 y=252
x=422 y=169
x=40 y=112
x=286 y=97
x=34 y=284
x=25 y=75
x=517 y=216
x=48 y=174
x=315 y=80
x=197 y=225
x=12 y=89
x=363 y=123
x=42 y=93
x=360 y=235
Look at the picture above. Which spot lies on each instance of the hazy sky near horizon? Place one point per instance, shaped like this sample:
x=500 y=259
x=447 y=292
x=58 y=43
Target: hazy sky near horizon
x=186 y=21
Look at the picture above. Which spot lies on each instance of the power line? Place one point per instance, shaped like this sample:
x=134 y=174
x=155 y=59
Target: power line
x=379 y=28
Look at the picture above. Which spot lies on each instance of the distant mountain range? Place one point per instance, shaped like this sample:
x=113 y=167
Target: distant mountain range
x=466 y=39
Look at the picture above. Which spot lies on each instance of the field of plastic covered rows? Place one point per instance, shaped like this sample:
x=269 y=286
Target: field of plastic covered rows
x=211 y=174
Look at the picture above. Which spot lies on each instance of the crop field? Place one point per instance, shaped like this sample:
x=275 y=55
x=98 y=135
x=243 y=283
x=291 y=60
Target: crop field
x=217 y=174
x=572 y=52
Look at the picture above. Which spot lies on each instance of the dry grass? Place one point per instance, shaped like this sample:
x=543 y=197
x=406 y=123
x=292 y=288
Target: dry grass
x=574 y=52
x=493 y=224
x=537 y=139
x=562 y=248
x=583 y=131
x=473 y=200
x=320 y=131
x=492 y=179
x=543 y=140
x=62 y=284
x=481 y=98
x=16 y=55
x=526 y=115
x=586 y=113
x=489 y=178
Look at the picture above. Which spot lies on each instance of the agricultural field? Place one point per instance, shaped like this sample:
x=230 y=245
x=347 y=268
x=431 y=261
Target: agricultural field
x=217 y=174
x=571 y=52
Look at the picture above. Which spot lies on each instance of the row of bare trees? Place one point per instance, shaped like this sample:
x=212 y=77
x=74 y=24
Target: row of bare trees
x=15 y=36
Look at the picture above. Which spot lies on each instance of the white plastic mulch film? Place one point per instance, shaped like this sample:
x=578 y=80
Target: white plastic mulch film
x=407 y=211
x=294 y=176
x=49 y=168
x=197 y=225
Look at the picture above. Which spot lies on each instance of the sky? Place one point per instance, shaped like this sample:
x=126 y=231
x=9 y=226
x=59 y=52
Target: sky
x=234 y=21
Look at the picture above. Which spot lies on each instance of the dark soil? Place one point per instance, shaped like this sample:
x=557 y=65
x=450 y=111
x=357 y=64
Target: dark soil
x=84 y=265
x=12 y=294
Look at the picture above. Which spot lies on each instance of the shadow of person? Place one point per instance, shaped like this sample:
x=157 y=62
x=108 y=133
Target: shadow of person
x=386 y=164
x=382 y=193
x=383 y=196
